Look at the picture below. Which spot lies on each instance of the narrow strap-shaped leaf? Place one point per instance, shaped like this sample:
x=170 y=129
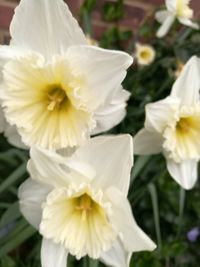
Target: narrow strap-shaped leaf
x=18 y=240
x=10 y=180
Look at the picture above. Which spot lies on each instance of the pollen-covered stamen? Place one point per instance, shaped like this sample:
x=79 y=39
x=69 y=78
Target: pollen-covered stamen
x=56 y=97
x=85 y=205
x=183 y=126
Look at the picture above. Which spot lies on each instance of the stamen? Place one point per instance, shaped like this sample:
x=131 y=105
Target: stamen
x=183 y=126
x=56 y=97
x=85 y=204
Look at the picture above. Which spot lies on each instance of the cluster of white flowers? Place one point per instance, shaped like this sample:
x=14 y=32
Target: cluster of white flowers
x=56 y=92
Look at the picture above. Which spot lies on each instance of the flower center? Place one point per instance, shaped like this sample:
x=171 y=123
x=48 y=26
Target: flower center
x=57 y=97
x=85 y=205
x=144 y=54
x=78 y=222
x=183 y=141
x=183 y=126
x=52 y=99
x=183 y=10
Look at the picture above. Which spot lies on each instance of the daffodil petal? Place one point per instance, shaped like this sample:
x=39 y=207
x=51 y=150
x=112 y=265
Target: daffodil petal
x=13 y=137
x=184 y=173
x=31 y=196
x=105 y=72
x=45 y=167
x=116 y=256
x=133 y=238
x=161 y=15
x=189 y=23
x=147 y=143
x=104 y=154
x=164 y=28
x=53 y=254
x=171 y=5
x=161 y=113
x=187 y=85
x=50 y=168
x=112 y=112
x=7 y=53
x=45 y=26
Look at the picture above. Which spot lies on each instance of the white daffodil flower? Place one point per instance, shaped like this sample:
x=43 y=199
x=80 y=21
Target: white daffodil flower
x=79 y=203
x=176 y=9
x=145 y=54
x=56 y=89
x=172 y=126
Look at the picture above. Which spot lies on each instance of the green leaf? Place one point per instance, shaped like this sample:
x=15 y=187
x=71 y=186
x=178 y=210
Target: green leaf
x=113 y=11
x=14 y=177
x=138 y=166
x=7 y=262
x=18 y=240
x=11 y=214
x=154 y=199
x=12 y=230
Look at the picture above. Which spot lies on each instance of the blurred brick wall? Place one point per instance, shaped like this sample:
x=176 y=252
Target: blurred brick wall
x=135 y=11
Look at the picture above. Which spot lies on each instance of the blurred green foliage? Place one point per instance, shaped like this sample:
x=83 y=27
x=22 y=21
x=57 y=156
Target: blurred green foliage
x=160 y=207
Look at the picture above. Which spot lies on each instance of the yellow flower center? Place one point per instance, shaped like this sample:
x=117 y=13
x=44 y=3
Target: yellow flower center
x=78 y=222
x=183 y=10
x=47 y=102
x=57 y=97
x=182 y=140
x=184 y=126
x=85 y=205
x=145 y=54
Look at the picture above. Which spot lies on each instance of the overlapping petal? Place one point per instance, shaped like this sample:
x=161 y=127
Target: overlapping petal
x=32 y=195
x=117 y=256
x=50 y=168
x=147 y=143
x=112 y=112
x=184 y=173
x=53 y=29
x=161 y=113
x=112 y=159
x=13 y=137
x=104 y=70
x=53 y=254
x=133 y=237
x=164 y=28
x=171 y=5
x=189 y=23
x=187 y=86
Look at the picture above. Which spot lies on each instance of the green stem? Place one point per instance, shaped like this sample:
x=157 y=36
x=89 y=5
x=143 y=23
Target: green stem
x=154 y=199
x=181 y=209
